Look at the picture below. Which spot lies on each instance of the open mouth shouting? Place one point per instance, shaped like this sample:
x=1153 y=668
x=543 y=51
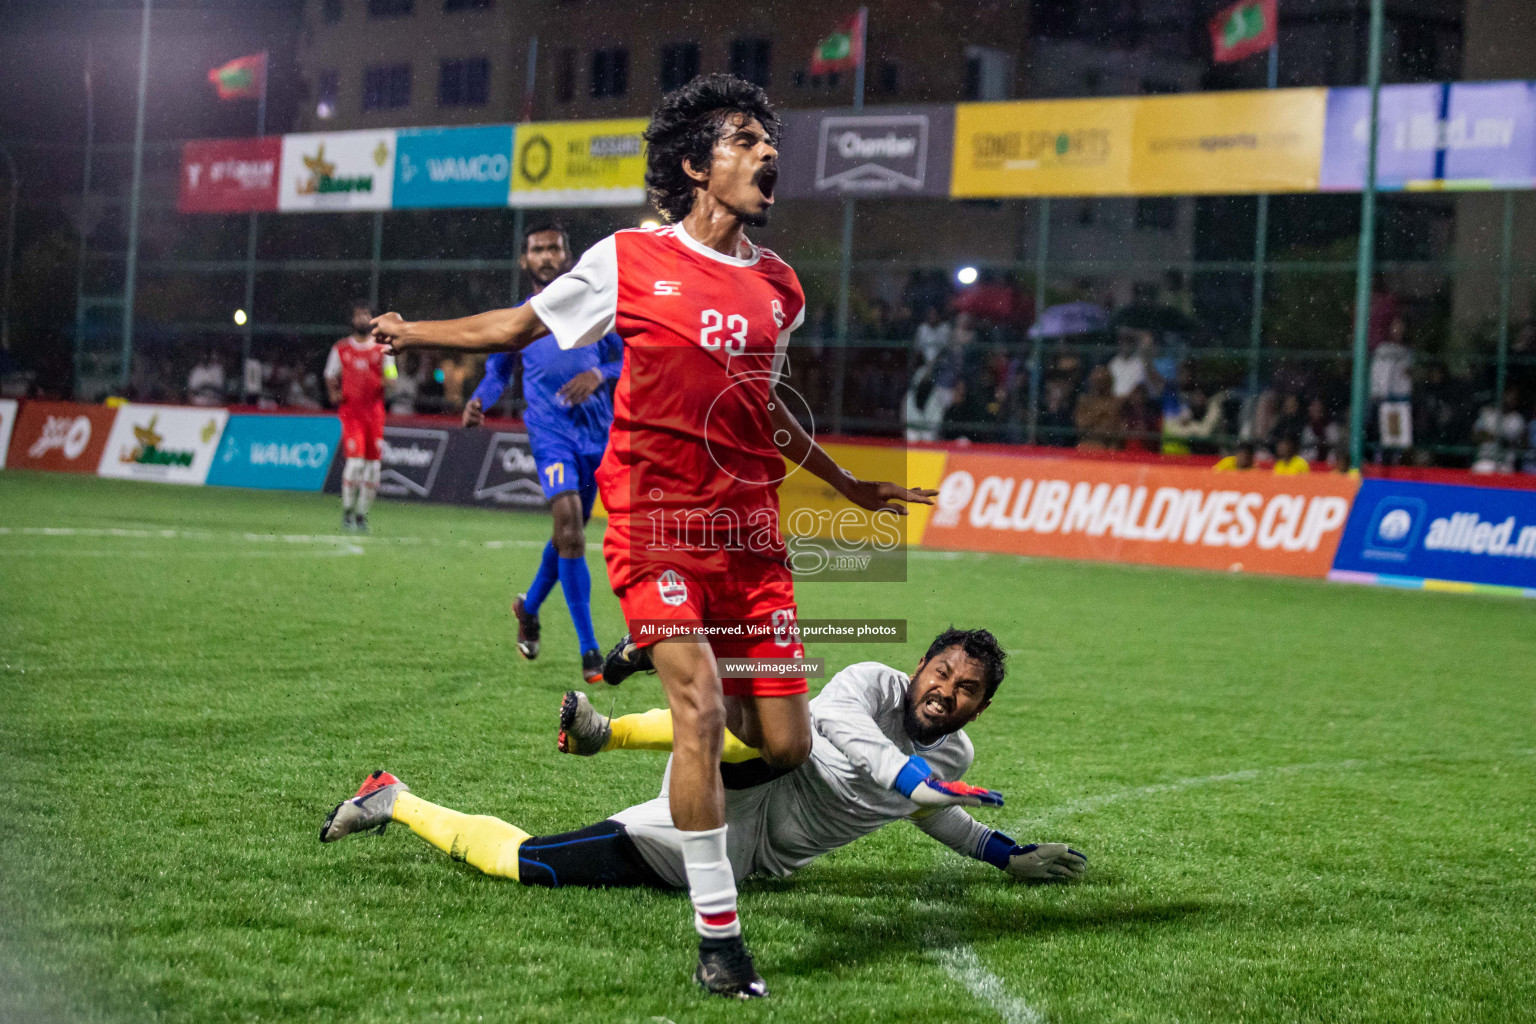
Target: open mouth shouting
x=765 y=180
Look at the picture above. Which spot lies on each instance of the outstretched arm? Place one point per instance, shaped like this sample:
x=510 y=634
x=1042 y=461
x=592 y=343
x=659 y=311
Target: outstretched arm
x=500 y=330
x=1037 y=862
x=800 y=448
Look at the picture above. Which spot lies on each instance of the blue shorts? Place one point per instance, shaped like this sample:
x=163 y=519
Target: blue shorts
x=562 y=469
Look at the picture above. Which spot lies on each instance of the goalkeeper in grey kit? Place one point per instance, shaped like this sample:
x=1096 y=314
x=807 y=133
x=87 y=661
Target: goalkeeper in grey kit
x=886 y=747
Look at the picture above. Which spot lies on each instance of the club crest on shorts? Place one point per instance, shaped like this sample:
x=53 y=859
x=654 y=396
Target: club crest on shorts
x=672 y=589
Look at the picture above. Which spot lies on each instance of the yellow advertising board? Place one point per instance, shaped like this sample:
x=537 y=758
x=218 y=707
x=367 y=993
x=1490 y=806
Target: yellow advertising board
x=1193 y=144
x=579 y=163
x=1043 y=148
x=1267 y=140
x=809 y=507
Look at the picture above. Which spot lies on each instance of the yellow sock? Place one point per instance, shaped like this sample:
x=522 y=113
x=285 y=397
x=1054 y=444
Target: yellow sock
x=479 y=840
x=652 y=730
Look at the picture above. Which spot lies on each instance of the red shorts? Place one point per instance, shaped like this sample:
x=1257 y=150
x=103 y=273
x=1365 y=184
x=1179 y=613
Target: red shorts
x=362 y=432
x=759 y=611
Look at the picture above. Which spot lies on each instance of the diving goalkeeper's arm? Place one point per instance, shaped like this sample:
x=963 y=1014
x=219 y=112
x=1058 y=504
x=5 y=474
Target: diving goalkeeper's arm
x=1037 y=862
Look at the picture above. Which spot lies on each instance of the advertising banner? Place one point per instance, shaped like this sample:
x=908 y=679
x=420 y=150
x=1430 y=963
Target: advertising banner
x=442 y=168
x=1141 y=513
x=509 y=477
x=579 y=163
x=1268 y=140
x=229 y=175
x=1463 y=135
x=61 y=437
x=412 y=458
x=894 y=151
x=1438 y=536
x=330 y=171
x=170 y=444
x=1043 y=148
x=7 y=423
x=290 y=453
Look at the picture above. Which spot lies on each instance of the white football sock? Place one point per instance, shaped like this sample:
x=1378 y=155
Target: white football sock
x=711 y=884
x=369 y=488
x=351 y=483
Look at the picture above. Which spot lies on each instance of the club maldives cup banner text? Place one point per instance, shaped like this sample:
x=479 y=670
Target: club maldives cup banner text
x=1141 y=513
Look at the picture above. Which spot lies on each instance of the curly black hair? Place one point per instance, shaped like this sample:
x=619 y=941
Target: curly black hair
x=979 y=644
x=686 y=126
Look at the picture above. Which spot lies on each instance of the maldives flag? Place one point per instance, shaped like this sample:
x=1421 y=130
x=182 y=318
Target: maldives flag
x=1244 y=29
x=843 y=50
x=240 y=79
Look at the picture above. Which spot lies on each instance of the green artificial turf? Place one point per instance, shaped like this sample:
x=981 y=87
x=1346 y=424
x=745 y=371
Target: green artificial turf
x=1301 y=801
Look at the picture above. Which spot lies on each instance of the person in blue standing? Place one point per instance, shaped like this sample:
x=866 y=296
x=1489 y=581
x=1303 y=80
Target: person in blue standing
x=568 y=416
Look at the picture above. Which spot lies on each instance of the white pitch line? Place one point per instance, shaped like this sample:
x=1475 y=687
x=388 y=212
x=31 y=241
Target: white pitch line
x=966 y=967
x=345 y=541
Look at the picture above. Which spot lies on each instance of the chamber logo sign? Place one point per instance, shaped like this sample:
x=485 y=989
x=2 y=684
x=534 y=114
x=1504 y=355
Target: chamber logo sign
x=411 y=459
x=509 y=475
x=873 y=154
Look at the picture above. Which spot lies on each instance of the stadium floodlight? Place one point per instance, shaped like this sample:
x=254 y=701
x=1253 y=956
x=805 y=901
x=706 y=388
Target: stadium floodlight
x=966 y=275
x=650 y=224
x=239 y=318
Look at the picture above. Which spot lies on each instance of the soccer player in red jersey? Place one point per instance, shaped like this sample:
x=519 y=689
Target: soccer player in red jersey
x=355 y=373
x=699 y=443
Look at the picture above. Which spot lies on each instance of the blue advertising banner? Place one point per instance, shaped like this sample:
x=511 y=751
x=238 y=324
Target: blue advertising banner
x=1439 y=537
x=289 y=453
x=1458 y=135
x=453 y=167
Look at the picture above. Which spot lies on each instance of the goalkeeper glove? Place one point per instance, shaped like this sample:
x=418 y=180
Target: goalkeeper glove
x=1037 y=862
x=916 y=782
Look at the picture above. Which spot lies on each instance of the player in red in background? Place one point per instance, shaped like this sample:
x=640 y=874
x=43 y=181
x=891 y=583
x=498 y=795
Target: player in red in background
x=699 y=442
x=355 y=373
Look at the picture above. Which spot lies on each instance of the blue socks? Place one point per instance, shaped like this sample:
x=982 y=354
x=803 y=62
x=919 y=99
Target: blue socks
x=576 y=582
x=544 y=580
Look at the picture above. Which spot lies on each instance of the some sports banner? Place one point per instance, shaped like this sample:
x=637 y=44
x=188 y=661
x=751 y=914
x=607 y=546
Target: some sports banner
x=7 y=422
x=171 y=444
x=579 y=163
x=1141 y=513
x=229 y=175
x=1461 y=135
x=1197 y=144
x=1440 y=537
x=337 y=171
x=62 y=437
x=291 y=453
x=1043 y=148
x=443 y=168
x=892 y=151
x=1265 y=140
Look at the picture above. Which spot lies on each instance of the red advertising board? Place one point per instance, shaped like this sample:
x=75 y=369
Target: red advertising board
x=229 y=175
x=1122 y=512
x=60 y=436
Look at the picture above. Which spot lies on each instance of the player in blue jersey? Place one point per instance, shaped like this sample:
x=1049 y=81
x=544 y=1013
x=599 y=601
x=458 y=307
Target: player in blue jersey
x=568 y=415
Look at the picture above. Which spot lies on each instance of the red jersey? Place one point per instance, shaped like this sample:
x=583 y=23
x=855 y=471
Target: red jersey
x=360 y=366
x=705 y=337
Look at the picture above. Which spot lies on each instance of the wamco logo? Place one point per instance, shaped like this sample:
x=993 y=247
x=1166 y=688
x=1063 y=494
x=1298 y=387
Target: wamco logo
x=304 y=455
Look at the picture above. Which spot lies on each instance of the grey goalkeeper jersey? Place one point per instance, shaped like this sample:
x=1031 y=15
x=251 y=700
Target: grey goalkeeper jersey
x=842 y=792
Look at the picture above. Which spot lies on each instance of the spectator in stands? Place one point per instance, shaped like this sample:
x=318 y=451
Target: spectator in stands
x=1239 y=460
x=1443 y=410
x=1500 y=434
x=205 y=384
x=1056 y=425
x=1128 y=366
x=1192 y=429
x=402 y=400
x=1141 y=421
x=1290 y=421
x=1320 y=435
x=935 y=387
x=1391 y=366
x=1097 y=417
x=456 y=371
x=1287 y=461
x=932 y=335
